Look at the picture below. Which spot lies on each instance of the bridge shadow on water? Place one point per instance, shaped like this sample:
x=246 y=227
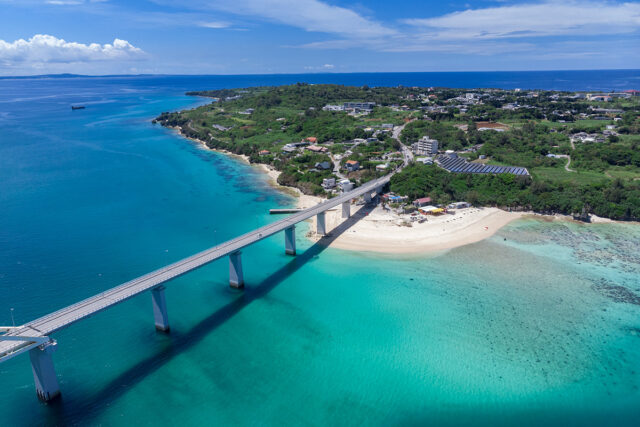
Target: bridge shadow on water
x=63 y=411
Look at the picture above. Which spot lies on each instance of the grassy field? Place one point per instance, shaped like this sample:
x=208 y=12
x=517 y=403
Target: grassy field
x=383 y=115
x=629 y=139
x=559 y=174
x=494 y=162
x=592 y=124
x=513 y=123
x=623 y=173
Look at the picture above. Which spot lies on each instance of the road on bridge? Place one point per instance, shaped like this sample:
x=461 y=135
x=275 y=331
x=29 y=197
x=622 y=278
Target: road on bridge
x=13 y=343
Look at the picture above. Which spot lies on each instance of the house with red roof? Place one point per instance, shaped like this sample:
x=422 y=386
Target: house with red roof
x=424 y=201
x=352 y=165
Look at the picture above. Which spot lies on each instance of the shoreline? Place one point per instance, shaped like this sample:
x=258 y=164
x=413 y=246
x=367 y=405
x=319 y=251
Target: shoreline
x=375 y=233
x=264 y=168
x=382 y=231
x=204 y=146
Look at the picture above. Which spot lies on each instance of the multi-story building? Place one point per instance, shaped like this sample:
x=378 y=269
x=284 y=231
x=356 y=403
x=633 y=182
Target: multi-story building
x=362 y=106
x=328 y=183
x=425 y=147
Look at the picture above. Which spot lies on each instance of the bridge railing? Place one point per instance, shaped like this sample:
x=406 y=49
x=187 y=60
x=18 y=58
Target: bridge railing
x=33 y=336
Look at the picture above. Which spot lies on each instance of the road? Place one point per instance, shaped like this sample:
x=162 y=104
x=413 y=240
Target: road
x=567 y=165
x=336 y=167
x=568 y=157
x=407 y=155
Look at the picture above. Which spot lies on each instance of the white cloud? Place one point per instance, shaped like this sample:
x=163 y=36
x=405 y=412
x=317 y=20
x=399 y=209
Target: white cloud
x=72 y=2
x=314 y=15
x=324 y=67
x=214 y=24
x=551 y=18
x=45 y=49
x=310 y=15
x=412 y=43
x=64 y=2
x=536 y=29
x=504 y=29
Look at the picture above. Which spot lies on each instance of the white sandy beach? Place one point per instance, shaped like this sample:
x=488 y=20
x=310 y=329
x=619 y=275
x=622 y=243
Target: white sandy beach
x=384 y=231
x=380 y=230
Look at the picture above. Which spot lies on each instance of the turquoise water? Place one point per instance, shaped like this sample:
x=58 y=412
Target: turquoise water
x=538 y=324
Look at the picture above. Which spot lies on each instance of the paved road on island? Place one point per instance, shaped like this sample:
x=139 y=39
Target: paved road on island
x=406 y=151
x=336 y=167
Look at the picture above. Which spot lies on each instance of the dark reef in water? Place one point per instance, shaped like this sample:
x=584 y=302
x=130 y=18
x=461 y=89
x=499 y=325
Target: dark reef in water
x=616 y=292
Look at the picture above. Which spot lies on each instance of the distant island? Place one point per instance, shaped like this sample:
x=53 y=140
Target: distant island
x=550 y=152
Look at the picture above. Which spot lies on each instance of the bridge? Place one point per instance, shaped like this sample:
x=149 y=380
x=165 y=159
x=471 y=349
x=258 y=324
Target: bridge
x=34 y=337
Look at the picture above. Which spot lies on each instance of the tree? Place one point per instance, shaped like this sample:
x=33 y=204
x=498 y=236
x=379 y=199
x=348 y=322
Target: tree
x=473 y=197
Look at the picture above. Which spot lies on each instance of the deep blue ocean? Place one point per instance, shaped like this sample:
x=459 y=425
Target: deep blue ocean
x=539 y=324
x=570 y=80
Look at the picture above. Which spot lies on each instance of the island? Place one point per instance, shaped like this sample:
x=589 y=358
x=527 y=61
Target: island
x=479 y=154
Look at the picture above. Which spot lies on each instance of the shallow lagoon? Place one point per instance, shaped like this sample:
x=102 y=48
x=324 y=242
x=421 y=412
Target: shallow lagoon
x=538 y=324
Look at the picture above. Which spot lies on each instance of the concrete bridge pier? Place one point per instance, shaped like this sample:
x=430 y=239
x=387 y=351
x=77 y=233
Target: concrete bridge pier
x=367 y=197
x=346 y=209
x=44 y=374
x=290 y=240
x=321 y=224
x=160 y=308
x=379 y=189
x=236 y=278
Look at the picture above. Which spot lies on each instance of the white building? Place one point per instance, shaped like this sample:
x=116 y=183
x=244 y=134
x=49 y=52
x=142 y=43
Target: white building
x=425 y=146
x=345 y=185
x=459 y=205
x=359 y=106
x=289 y=148
x=333 y=107
x=425 y=160
x=328 y=183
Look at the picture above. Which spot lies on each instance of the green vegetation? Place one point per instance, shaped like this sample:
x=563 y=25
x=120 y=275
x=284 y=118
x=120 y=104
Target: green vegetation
x=451 y=137
x=601 y=157
x=611 y=199
x=526 y=129
x=265 y=119
x=602 y=139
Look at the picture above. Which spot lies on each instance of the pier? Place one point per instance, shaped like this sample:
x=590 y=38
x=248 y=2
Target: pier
x=35 y=337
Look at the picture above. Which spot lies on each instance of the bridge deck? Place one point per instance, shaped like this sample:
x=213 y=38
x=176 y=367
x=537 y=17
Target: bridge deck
x=64 y=317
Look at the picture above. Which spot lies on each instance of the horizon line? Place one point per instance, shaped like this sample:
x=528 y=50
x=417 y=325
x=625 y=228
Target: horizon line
x=73 y=75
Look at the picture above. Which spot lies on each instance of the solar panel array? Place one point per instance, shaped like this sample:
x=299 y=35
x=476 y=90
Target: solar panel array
x=460 y=165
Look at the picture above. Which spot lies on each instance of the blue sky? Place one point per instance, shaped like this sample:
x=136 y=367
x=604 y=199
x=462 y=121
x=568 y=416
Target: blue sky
x=302 y=36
